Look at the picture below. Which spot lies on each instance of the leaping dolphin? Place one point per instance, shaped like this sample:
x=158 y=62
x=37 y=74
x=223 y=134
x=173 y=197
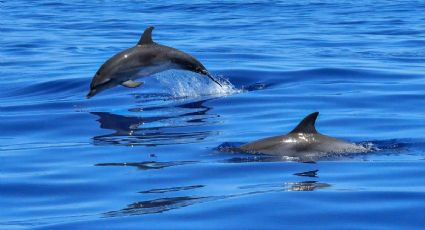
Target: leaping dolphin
x=144 y=59
x=303 y=142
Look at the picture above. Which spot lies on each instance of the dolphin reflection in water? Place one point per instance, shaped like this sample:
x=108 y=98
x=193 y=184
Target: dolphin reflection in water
x=168 y=202
x=135 y=130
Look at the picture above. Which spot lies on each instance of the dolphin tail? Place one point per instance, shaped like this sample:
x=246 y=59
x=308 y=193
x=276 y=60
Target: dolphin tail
x=213 y=79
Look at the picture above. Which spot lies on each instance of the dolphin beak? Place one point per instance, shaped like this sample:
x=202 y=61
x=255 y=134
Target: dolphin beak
x=91 y=93
x=206 y=73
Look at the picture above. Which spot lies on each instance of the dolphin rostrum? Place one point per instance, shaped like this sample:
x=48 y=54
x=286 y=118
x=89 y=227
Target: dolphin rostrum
x=303 y=142
x=144 y=59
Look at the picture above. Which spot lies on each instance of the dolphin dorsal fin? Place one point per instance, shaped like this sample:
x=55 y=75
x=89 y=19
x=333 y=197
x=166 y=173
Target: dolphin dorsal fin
x=307 y=124
x=146 y=36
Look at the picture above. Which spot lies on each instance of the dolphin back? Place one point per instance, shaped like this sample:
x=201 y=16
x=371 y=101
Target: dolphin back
x=302 y=141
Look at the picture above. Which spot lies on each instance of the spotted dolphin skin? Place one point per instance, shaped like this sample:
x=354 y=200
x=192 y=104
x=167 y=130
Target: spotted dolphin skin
x=142 y=60
x=303 y=142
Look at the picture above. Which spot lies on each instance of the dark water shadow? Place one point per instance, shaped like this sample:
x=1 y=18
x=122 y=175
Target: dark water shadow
x=172 y=189
x=180 y=128
x=147 y=165
x=157 y=206
x=312 y=173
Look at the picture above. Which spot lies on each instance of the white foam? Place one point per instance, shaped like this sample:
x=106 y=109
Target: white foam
x=182 y=84
x=369 y=147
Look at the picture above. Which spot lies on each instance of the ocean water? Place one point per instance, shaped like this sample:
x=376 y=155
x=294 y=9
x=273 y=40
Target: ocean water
x=148 y=158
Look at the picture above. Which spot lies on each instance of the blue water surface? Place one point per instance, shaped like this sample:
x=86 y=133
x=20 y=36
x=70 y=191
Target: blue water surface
x=148 y=158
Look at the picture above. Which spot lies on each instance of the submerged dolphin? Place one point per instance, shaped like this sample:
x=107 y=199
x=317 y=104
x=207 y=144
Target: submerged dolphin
x=303 y=142
x=144 y=59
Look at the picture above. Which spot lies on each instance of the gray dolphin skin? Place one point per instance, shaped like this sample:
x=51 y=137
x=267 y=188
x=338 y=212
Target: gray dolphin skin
x=142 y=60
x=303 y=142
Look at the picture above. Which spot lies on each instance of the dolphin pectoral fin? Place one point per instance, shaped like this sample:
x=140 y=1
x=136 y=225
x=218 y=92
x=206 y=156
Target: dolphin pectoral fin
x=131 y=84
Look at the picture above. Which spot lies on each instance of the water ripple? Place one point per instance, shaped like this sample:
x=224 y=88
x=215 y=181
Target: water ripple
x=148 y=157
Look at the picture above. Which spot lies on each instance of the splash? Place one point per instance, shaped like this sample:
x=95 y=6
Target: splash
x=186 y=84
x=369 y=147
